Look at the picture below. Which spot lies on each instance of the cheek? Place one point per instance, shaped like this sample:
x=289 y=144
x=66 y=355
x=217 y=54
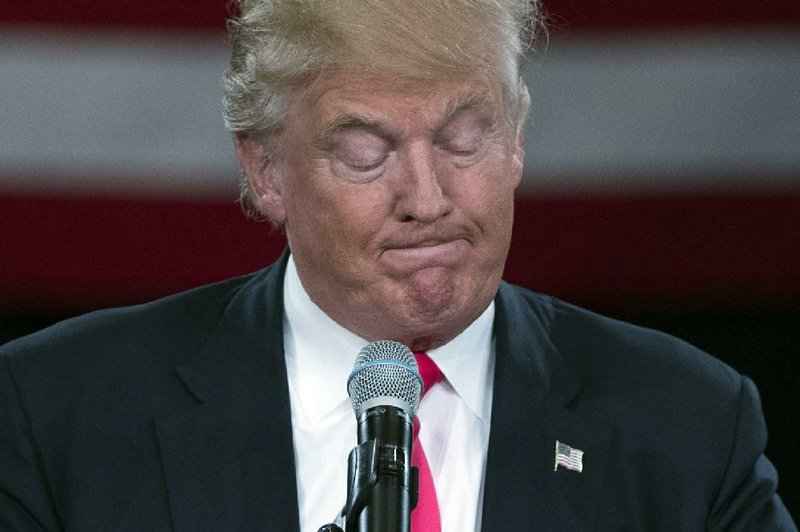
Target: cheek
x=337 y=219
x=487 y=196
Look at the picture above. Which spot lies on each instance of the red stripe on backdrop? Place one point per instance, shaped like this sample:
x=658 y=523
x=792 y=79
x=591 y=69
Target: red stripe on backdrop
x=202 y=14
x=581 y=14
x=70 y=254
x=713 y=249
x=600 y=14
x=78 y=253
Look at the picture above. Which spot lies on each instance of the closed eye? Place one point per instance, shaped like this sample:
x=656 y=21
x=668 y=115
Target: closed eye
x=365 y=167
x=463 y=136
x=461 y=152
x=360 y=151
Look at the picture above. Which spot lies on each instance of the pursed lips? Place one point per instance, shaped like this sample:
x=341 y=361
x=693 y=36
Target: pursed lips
x=421 y=244
x=425 y=237
x=427 y=252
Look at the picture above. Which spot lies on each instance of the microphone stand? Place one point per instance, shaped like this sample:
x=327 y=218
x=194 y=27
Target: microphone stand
x=362 y=477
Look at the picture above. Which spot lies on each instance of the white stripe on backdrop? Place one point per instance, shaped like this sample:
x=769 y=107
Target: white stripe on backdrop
x=688 y=110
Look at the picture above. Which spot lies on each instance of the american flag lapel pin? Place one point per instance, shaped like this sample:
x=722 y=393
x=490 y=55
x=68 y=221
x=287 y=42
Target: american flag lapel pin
x=568 y=457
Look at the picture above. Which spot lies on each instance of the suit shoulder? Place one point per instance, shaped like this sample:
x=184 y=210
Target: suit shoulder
x=607 y=353
x=166 y=327
x=685 y=428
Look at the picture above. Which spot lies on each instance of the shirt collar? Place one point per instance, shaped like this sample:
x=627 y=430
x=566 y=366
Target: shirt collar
x=467 y=362
x=320 y=355
x=319 y=352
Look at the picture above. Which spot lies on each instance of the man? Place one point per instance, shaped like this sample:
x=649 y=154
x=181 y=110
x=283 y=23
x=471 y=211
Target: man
x=384 y=137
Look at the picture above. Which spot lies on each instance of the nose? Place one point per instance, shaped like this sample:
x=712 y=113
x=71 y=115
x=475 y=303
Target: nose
x=421 y=186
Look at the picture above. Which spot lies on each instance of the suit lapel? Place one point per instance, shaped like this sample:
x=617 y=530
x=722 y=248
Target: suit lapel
x=530 y=411
x=228 y=458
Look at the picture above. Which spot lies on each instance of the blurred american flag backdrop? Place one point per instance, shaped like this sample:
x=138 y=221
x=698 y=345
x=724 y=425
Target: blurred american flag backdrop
x=663 y=153
x=662 y=172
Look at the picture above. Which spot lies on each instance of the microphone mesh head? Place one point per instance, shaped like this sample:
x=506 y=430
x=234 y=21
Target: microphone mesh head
x=385 y=369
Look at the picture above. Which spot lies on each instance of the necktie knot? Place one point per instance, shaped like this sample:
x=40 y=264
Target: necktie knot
x=428 y=370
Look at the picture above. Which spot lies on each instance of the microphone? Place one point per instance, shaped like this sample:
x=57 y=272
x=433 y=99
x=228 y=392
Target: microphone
x=385 y=388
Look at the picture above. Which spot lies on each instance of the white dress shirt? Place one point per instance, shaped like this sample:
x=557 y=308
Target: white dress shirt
x=454 y=416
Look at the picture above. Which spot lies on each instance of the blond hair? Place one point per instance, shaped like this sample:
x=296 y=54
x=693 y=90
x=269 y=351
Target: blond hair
x=279 y=46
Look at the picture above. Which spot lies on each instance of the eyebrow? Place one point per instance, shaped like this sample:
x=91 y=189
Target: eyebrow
x=467 y=102
x=344 y=122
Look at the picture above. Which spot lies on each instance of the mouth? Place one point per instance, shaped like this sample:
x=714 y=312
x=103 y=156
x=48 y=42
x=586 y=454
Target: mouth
x=421 y=244
x=426 y=253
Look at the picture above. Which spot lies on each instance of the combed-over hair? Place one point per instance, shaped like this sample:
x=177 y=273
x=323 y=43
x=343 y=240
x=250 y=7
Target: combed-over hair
x=280 y=46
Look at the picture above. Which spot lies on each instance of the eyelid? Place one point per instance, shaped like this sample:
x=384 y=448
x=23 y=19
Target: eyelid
x=463 y=153
x=366 y=168
x=458 y=146
x=355 y=146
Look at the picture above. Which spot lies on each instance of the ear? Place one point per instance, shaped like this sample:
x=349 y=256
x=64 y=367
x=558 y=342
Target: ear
x=518 y=157
x=263 y=178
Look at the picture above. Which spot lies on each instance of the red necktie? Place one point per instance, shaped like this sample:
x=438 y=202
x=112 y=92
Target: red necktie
x=425 y=517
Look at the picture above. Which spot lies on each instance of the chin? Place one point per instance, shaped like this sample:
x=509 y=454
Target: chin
x=432 y=309
x=432 y=292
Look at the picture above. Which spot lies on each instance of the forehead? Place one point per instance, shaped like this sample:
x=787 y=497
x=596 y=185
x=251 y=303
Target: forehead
x=385 y=97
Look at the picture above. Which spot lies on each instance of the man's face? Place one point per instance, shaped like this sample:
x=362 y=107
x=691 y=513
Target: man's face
x=397 y=198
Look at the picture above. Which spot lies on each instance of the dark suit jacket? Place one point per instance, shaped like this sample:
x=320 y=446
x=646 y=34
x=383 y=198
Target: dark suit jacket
x=175 y=416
